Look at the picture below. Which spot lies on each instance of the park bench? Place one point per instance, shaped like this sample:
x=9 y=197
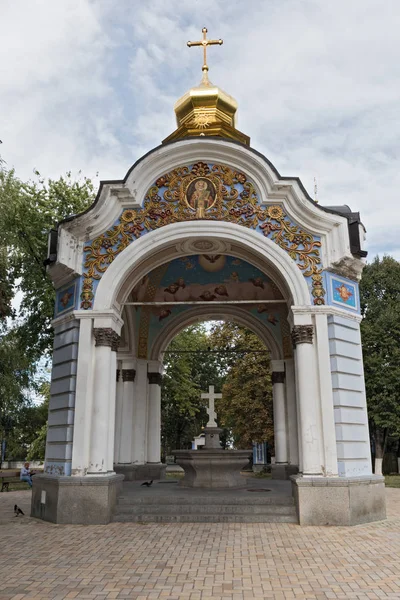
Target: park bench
x=11 y=476
x=7 y=477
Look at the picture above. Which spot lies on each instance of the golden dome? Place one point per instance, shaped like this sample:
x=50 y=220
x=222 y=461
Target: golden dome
x=206 y=110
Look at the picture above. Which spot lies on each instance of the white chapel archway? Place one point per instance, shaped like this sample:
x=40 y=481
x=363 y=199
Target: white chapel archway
x=217 y=313
x=125 y=271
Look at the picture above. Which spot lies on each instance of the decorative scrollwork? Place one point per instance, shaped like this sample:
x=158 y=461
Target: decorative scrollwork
x=302 y=334
x=225 y=195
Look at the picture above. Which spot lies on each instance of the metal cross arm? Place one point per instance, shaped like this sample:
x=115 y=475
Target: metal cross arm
x=205 y=42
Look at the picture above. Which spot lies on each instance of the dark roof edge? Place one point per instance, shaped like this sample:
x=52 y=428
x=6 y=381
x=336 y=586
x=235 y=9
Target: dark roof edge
x=234 y=142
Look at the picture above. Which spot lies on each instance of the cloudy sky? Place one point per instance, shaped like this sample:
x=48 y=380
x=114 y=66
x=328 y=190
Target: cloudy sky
x=90 y=85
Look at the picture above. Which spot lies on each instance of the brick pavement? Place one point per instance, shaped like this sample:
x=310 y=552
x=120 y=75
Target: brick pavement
x=197 y=561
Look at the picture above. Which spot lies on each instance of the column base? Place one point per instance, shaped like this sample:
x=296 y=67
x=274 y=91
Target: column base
x=140 y=472
x=88 y=500
x=283 y=470
x=339 y=500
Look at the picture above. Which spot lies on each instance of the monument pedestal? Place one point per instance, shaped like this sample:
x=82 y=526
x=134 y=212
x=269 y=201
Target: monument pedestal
x=212 y=468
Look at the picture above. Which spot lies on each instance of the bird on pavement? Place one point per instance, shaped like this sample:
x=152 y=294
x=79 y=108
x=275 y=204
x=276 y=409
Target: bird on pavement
x=147 y=483
x=17 y=511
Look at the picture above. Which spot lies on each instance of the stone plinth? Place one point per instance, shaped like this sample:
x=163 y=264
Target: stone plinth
x=283 y=471
x=339 y=500
x=139 y=472
x=88 y=500
x=212 y=437
x=212 y=468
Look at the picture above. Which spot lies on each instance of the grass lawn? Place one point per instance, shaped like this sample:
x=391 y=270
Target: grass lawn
x=392 y=481
x=16 y=486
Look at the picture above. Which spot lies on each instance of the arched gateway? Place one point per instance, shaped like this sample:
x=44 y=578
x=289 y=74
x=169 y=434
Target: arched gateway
x=205 y=227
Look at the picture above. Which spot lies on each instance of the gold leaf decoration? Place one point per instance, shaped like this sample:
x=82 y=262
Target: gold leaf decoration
x=224 y=195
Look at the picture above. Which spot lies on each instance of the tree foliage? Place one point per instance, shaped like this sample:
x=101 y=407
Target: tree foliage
x=189 y=369
x=28 y=211
x=246 y=404
x=236 y=362
x=380 y=328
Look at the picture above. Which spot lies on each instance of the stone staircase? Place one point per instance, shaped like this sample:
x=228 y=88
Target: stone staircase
x=204 y=507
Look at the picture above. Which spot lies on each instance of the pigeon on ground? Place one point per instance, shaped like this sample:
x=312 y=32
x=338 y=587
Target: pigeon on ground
x=147 y=483
x=17 y=511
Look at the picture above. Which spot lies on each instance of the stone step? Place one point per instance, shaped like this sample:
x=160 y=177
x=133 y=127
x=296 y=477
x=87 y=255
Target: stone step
x=234 y=509
x=155 y=499
x=203 y=518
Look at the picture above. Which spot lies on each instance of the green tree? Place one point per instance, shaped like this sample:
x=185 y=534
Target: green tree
x=246 y=404
x=380 y=329
x=189 y=369
x=28 y=211
x=29 y=420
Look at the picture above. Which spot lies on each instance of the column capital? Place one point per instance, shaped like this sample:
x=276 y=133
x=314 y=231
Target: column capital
x=116 y=342
x=106 y=336
x=128 y=375
x=278 y=377
x=302 y=334
x=154 y=378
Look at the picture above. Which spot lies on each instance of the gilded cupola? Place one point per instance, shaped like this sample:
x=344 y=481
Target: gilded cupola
x=206 y=110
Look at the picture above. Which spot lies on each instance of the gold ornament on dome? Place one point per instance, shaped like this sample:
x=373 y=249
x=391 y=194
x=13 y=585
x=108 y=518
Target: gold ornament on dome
x=205 y=43
x=205 y=109
x=202 y=120
x=211 y=192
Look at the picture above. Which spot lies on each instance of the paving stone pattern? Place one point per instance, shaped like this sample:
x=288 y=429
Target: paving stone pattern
x=231 y=561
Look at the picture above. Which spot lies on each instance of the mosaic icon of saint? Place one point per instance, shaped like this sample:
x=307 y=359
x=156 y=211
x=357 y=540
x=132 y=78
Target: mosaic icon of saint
x=200 y=196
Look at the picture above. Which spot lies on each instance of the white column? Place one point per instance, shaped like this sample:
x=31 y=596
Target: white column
x=307 y=395
x=327 y=415
x=118 y=414
x=83 y=399
x=112 y=405
x=139 y=428
x=299 y=437
x=293 y=433
x=279 y=401
x=128 y=379
x=100 y=438
x=154 y=418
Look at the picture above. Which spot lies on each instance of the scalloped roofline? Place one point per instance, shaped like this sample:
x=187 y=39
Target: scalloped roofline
x=176 y=143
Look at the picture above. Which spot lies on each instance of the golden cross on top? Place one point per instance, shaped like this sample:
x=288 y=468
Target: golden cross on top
x=205 y=42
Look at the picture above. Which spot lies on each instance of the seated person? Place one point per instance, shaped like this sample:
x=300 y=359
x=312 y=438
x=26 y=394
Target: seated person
x=26 y=474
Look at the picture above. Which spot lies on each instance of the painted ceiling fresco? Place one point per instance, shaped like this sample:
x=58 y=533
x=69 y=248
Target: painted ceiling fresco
x=204 y=278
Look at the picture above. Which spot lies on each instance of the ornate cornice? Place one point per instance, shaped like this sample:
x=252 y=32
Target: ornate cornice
x=154 y=378
x=222 y=194
x=302 y=334
x=128 y=375
x=278 y=377
x=105 y=336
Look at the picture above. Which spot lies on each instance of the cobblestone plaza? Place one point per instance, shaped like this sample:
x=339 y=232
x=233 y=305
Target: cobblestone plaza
x=197 y=561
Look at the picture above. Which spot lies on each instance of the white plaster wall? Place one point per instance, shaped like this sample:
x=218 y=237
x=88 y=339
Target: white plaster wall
x=349 y=399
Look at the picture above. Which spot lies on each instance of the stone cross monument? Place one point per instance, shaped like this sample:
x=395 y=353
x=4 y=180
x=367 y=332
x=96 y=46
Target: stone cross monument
x=211 y=396
x=211 y=430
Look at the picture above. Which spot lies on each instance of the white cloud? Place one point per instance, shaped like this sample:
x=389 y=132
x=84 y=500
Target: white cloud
x=91 y=86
